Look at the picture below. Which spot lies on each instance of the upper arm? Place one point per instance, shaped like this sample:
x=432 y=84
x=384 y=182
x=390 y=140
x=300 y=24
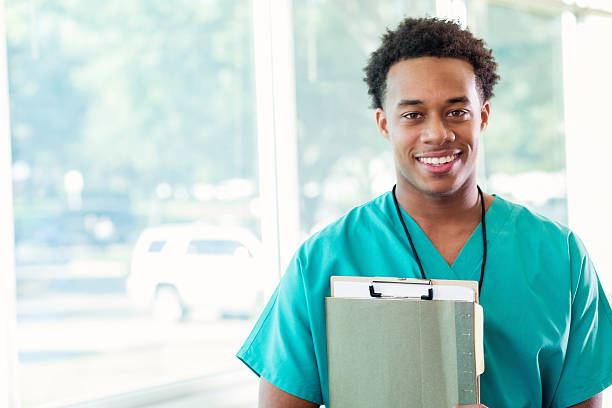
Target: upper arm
x=280 y=347
x=273 y=397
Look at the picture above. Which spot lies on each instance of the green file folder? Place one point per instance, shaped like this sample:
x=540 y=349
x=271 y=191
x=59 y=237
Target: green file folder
x=395 y=352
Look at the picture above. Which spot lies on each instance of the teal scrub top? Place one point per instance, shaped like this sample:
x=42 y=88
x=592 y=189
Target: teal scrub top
x=547 y=322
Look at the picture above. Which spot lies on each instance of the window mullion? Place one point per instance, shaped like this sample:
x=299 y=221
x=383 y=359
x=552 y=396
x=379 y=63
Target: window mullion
x=276 y=128
x=8 y=353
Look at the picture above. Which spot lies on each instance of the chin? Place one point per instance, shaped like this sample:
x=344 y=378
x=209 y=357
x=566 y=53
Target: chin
x=434 y=188
x=439 y=192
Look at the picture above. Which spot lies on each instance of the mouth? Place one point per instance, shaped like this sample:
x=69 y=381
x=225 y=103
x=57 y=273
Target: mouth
x=438 y=162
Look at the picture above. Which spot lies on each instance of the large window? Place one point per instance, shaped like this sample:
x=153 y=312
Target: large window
x=134 y=147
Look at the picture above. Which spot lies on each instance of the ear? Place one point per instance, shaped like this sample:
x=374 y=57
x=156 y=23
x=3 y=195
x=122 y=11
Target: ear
x=381 y=122
x=485 y=111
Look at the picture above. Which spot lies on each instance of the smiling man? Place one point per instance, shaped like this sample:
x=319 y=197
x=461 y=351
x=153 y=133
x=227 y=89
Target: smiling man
x=548 y=325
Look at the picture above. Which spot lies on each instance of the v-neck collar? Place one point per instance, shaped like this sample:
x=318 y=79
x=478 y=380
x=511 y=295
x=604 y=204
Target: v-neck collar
x=468 y=263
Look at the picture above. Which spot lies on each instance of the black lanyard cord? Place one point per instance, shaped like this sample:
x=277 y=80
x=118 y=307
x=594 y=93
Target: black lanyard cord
x=399 y=213
x=484 y=239
x=484 y=236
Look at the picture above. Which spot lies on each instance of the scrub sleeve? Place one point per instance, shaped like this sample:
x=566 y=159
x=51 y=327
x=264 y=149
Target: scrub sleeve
x=280 y=347
x=587 y=369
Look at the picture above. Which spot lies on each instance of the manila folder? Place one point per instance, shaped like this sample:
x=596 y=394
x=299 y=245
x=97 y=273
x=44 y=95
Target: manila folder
x=400 y=353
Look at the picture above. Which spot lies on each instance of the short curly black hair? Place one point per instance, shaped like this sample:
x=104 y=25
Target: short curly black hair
x=429 y=37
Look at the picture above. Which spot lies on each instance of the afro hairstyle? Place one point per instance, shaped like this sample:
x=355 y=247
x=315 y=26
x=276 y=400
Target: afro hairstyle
x=429 y=37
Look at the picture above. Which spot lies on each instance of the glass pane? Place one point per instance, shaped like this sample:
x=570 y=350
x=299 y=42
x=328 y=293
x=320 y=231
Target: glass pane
x=343 y=161
x=524 y=145
x=133 y=134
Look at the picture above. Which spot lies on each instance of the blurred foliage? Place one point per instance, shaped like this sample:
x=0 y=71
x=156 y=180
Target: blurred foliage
x=131 y=93
x=526 y=125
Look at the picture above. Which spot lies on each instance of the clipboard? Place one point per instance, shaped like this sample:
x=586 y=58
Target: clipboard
x=401 y=339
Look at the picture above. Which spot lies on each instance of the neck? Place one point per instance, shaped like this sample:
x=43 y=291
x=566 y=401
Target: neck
x=426 y=209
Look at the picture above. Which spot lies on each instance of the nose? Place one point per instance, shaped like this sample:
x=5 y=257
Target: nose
x=435 y=131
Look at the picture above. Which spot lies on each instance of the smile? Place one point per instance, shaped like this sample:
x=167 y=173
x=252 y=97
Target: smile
x=438 y=160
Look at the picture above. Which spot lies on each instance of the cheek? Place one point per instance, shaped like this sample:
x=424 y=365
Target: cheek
x=404 y=137
x=469 y=133
x=476 y=126
x=474 y=144
x=402 y=147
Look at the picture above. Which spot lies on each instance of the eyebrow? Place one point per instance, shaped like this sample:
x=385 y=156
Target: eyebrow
x=458 y=99
x=410 y=102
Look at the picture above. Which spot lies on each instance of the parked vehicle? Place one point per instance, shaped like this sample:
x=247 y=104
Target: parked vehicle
x=181 y=269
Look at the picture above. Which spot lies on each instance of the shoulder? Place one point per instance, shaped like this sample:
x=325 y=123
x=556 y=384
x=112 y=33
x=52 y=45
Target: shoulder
x=526 y=225
x=547 y=248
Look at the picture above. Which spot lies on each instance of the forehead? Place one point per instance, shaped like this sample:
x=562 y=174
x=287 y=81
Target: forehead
x=430 y=79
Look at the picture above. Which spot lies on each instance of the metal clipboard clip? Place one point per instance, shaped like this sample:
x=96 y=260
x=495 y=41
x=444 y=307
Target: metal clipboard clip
x=429 y=295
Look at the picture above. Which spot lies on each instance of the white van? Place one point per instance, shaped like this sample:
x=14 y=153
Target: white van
x=178 y=269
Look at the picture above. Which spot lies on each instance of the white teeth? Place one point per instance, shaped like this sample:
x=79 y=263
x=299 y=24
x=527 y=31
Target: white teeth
x=436 y=161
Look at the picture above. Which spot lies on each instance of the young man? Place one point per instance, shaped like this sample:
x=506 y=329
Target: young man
x=548 y=325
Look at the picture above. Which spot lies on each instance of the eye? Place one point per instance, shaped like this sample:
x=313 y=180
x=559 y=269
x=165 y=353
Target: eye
x=412 y=115
x=458 y=113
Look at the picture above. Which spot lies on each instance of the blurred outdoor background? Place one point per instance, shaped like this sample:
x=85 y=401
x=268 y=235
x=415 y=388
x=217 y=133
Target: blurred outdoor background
x=139 y=168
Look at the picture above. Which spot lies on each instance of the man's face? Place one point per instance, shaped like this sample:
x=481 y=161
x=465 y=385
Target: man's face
x=433 y=118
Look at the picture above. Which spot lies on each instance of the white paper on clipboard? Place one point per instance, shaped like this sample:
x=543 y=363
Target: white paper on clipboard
x=361 y=289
